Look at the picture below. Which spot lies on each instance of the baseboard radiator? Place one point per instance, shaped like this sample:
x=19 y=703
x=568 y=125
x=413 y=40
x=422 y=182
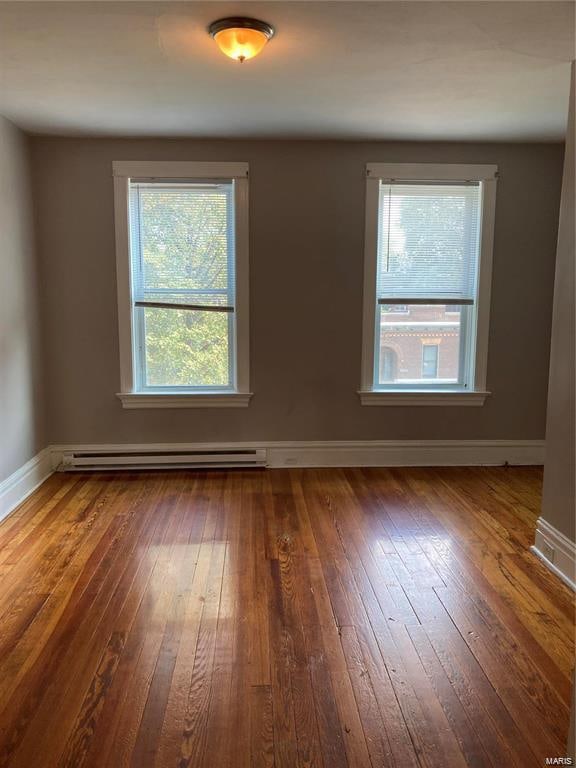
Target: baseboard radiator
x=83 y=461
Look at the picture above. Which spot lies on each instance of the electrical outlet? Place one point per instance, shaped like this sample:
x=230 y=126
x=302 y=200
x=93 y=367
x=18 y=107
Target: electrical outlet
x=291 y=460
x=548 y=551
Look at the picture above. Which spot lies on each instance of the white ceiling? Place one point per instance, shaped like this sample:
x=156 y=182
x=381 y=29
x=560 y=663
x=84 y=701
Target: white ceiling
x=394 y=70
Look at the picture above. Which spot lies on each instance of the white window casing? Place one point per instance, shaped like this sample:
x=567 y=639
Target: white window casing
x=469 y=279
x=133 y=393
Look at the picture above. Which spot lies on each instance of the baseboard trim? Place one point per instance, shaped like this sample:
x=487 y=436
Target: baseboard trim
x=406 y=453
x=556 y=551
x=20 y=484
x=354 y=453
x=345 y=453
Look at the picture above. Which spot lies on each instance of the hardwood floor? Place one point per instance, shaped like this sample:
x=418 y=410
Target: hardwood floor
x=353 y=617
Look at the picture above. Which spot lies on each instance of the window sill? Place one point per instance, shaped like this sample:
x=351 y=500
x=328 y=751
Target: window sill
x=401 y=397
x=185 y=399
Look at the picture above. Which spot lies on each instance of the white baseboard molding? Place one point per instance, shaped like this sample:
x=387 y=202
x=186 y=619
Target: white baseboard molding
x=355 y=453
x=344 y=453
x=20 y=484
x=556 y=551
x=347 y=453
x=406 y=453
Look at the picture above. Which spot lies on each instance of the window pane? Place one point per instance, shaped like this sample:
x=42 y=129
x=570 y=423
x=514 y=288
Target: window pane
x=428 y=237
x=185 y=348
x=182 y=243
x=420 y=345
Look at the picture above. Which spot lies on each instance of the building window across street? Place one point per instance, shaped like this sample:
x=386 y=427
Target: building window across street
x=430 y=361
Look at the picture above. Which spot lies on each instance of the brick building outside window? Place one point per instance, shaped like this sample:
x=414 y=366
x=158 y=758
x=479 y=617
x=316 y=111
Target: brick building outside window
x=419 y=343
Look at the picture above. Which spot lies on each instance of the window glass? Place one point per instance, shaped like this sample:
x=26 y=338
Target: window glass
x=183 y=283
x=426 y=292
x=421 y=345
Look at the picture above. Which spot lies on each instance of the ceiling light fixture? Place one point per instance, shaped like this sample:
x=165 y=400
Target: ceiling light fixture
x=240 y=38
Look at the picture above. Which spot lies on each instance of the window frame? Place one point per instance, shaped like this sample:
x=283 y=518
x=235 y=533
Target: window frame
x=426 y=173
x=236 y=395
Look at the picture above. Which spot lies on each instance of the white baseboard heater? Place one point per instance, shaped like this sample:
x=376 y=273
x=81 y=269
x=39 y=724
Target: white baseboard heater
x=82 y=461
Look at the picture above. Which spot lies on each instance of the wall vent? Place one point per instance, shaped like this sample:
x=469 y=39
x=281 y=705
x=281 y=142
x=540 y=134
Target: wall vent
x=82 y=461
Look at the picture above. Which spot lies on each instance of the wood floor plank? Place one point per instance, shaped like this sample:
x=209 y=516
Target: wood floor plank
x=116 y=729
x=33 y=672
x=473 y=684
x=470 y=743
x=113 y=597
x=327 y=618
x=197 y=705
x=465 y=560
x=199 y=558
x=511 y=688
x=374 y=728
x=261 y=727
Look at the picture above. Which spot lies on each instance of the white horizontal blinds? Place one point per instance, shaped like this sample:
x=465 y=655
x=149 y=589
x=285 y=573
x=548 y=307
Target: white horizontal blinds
x=428 y=243
x=182 y=245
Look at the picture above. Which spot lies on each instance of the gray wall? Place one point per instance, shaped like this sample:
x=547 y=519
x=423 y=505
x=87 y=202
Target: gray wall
x=307 y=222
x=558 y=503
x=21 y=413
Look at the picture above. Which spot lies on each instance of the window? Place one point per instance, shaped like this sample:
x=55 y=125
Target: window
x=428 y=254
x=388 y=364
x=430 y=361
x=182 y=283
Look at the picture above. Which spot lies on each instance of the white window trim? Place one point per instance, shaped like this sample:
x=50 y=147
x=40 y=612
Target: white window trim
x=239 y=395
x=427 y=172
x=185 y=400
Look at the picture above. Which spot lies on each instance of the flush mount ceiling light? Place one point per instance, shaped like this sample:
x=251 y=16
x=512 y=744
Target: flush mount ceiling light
x=240 y=38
